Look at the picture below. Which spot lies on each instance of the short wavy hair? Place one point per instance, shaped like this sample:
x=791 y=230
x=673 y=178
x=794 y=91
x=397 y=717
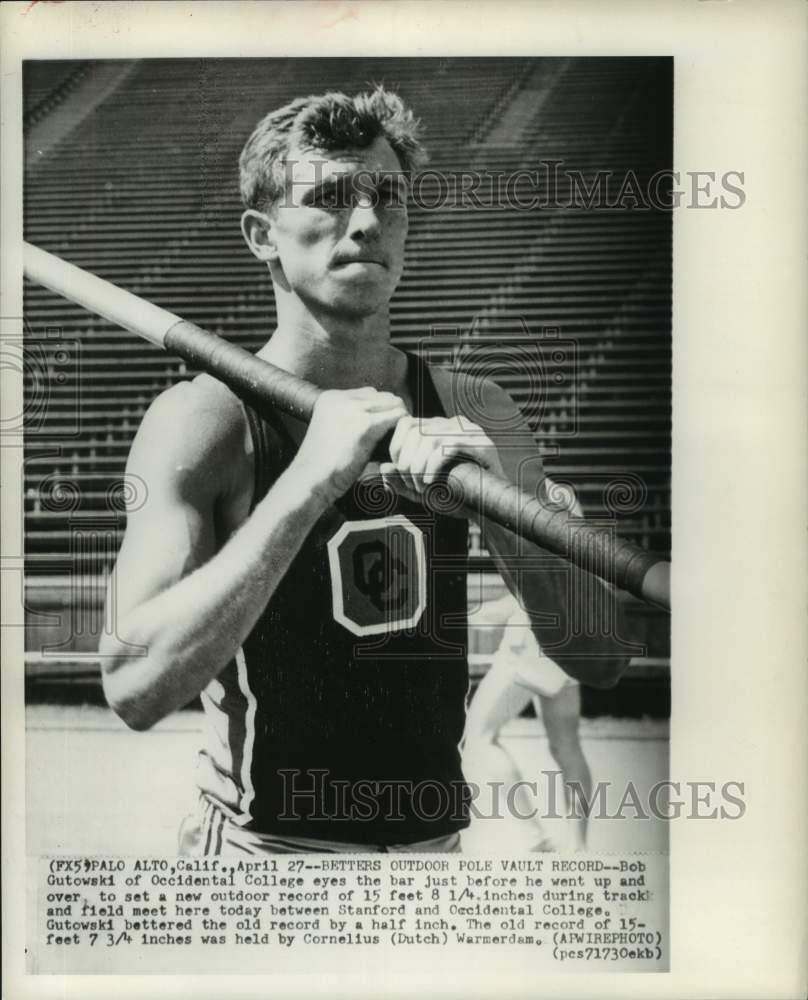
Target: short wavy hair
x=325 y=122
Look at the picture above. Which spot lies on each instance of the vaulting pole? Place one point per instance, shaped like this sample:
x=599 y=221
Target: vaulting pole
x=264 y=386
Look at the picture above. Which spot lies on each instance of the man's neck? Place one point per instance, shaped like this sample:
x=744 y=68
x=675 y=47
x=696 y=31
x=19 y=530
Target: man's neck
x=337 y=354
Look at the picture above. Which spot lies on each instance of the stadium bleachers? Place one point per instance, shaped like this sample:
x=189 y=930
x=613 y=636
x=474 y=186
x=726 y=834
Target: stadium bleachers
x=567 y=306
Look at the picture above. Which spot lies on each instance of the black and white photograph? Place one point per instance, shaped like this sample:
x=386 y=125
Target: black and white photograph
x=346 y=438
x=506 y=301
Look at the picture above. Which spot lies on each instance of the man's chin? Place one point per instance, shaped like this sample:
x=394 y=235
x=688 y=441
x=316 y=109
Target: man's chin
x=365 y=279
x=358 y=307
x=363 y=299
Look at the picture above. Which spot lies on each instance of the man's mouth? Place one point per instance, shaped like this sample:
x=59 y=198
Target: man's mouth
x=345 y=261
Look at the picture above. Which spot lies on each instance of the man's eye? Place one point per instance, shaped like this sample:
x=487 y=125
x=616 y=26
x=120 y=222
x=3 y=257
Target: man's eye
x=334 y=196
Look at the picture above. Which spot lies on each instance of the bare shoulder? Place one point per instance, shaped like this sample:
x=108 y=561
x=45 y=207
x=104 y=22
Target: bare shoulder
x=195 y=431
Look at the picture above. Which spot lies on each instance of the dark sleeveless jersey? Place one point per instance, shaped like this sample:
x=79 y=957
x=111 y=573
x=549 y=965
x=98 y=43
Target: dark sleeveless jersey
x=342 y=714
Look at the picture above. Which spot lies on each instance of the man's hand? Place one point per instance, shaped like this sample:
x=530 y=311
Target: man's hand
x=423 y=448
x=344 y=430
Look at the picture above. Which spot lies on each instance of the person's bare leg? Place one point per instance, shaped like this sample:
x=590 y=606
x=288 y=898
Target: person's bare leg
x=561 y=715
x=485 y=761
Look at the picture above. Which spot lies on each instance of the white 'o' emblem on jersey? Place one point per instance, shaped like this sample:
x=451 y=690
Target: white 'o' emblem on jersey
x=378 y=575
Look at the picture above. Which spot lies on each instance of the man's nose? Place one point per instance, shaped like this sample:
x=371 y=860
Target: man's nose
x=364 y=219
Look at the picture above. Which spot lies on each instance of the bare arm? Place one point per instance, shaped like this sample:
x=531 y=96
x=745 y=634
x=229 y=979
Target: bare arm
x=186 y=604
x=574 y=616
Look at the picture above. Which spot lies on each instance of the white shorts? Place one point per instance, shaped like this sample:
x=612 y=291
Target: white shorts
x=520 y=656
x=210 y=830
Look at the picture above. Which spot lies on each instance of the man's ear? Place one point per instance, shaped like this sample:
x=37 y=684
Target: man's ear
x=258 y=231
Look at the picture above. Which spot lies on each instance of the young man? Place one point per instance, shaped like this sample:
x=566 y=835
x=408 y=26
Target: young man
x=323 y=627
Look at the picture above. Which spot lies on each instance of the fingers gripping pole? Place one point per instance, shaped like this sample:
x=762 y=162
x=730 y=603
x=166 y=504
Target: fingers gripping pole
x=266 y=387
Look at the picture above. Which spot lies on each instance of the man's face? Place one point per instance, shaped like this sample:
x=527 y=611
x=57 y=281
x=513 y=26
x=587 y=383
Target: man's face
x=339 y=231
